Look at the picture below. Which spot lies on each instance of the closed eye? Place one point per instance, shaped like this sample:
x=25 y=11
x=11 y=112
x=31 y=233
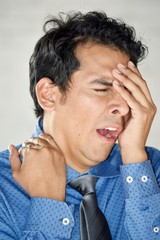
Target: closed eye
x=102 y=90
x=102 y=86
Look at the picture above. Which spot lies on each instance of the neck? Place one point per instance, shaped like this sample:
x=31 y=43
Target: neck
x=73 y=158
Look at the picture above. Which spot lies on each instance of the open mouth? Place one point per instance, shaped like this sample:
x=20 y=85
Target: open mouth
x=110 y=133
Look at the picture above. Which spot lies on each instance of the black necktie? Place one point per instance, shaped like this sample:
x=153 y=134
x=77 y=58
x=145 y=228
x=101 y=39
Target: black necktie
x=93 y=225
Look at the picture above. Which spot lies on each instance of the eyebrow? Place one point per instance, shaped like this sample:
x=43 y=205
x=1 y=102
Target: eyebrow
x=102 y=82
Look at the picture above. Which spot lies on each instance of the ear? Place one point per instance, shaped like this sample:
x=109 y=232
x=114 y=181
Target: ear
x=47 y=94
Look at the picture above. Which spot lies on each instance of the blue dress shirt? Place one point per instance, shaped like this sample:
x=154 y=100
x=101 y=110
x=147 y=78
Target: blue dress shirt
x=128 y=195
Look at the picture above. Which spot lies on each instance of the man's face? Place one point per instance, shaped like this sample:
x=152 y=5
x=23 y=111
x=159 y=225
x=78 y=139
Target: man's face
x=87 y=125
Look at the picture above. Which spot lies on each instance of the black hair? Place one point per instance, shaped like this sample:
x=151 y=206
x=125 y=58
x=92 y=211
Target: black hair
x=54 y=54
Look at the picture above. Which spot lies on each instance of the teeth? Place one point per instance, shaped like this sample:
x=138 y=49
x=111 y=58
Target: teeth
x=108 y=135
x=111 y=129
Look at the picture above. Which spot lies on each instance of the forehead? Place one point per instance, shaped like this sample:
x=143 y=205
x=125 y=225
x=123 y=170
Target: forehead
x=94 y=55
x=96 y=62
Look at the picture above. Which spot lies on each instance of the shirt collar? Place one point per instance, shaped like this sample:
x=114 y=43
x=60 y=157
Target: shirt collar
x=108 y=168
x=38 y=128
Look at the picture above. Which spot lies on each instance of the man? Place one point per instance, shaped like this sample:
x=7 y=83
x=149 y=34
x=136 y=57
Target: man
x=88 y=94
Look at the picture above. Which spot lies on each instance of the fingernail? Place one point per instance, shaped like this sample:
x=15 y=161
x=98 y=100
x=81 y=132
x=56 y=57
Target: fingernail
x=121 y=65
x=10 y=148
x=41 y=135
x=117 y=71
x=130 y=63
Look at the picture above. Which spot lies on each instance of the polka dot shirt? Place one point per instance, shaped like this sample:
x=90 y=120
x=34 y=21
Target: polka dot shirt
x=128 y=195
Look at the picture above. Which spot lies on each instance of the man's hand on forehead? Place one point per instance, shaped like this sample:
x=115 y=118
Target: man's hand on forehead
x=134 y=90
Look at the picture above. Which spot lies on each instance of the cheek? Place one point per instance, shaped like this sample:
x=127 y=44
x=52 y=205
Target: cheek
x=84 y=111
x=80 y=121
x=88 y=105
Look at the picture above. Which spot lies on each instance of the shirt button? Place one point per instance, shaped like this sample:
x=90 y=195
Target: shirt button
x=156 y=229
x=144 y=179
x=129 y=179
x=65 y=221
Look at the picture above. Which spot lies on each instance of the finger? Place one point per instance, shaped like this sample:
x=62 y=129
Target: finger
x=34 y=140
x=23 y=150
x=49 y=139
x=134 y=76
x=31 y=144
x=14 y=159
x=46 y=137
x=36 y=143
x=134 y=68
x=142 y=96
x=131 y=101
x=134 y=105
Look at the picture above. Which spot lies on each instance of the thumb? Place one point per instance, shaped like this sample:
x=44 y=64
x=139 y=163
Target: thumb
x=14 y=158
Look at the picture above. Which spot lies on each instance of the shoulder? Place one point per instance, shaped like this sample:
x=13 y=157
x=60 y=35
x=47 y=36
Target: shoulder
x=4 y=159
x=152 y=151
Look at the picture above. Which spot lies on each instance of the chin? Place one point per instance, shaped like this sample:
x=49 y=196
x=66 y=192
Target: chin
x=104 y=155
x=100 y=157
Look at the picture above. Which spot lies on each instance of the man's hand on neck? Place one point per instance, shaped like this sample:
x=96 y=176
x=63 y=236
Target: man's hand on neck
x=42 y=172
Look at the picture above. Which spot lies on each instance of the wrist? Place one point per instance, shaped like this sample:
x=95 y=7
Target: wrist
x=50 y=192
x=133 y=156
x=57 y=197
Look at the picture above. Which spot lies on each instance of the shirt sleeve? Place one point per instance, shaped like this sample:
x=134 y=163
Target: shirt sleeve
x=142 y=201
x=48 y=219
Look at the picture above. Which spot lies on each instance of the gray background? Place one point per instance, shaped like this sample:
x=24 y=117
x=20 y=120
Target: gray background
x=21 y=26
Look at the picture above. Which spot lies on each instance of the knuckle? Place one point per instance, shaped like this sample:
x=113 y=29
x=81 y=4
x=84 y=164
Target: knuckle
x=150 y=111
x=144 y=82
x=153 y=108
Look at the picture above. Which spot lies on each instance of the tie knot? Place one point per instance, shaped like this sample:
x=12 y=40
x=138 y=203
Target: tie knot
x=84 y=184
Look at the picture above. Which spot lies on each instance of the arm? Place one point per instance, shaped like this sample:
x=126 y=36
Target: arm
x=142 y=194
x=141 y=187
x=49 y=219
x=46 y=220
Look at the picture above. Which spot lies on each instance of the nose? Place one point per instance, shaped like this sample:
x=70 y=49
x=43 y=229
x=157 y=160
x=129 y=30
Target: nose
x=118 y=106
